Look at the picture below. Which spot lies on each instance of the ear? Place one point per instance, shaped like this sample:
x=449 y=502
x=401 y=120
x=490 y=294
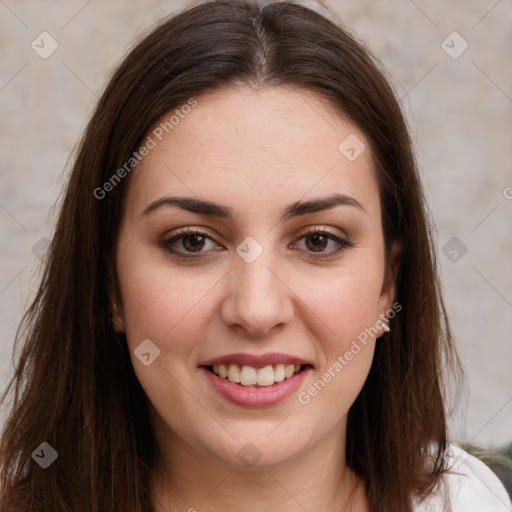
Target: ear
x=388 y=291
x=117 y=320
x=117 y=314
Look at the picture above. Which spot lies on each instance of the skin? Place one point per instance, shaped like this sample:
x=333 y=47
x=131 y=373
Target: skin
x=255 y=152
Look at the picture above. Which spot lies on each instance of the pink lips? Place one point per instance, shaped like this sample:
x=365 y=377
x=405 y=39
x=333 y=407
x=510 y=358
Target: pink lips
x=256 y=396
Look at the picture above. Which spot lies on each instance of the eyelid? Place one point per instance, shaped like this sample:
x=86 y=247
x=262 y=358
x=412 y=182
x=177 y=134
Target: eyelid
x=320 y=228
x=191 y=230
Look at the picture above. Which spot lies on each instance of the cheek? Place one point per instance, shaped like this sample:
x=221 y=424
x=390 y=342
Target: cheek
x=342 y=312
x=171 y=308
x=164 y=304
x=346 y=311
x=344 y=305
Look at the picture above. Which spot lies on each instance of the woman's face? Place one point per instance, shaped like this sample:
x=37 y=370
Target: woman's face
x=256 y=174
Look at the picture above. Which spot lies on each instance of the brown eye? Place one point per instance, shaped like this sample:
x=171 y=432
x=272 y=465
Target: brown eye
x=323 y=242
x=190 y=242
x=193 y=243
x=317 y=242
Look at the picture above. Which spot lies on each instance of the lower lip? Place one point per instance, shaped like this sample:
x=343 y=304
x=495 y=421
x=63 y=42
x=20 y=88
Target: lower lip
x=252 y=396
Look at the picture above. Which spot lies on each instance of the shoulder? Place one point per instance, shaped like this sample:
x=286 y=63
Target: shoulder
x=470 y=485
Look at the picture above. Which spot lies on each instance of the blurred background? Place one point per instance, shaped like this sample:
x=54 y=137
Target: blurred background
x=450 y=63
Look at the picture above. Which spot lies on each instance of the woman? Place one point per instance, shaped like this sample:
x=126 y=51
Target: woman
x=240 y=307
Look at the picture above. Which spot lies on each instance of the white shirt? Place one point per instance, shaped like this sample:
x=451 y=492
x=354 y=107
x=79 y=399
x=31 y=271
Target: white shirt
x=471 y=486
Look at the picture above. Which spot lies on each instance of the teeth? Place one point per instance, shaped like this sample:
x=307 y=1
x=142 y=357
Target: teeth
x=223 y=370
x=279 y=373
x=266 y=376
x=250 y=376
x=234 y=373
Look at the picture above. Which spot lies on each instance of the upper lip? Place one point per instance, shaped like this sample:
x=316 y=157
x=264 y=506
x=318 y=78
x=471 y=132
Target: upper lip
x=256 y=361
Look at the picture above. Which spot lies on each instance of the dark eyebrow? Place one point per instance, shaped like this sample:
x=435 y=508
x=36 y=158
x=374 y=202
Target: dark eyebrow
x=202 y=207
x=316 y=205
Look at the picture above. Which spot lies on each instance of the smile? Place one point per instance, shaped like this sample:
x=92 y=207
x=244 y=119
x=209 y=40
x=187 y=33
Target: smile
x=246 y=390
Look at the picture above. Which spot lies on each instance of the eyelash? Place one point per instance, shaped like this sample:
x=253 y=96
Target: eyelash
x=186 y=232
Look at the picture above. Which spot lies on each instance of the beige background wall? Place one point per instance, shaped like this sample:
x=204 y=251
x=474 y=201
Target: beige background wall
x=460 y=111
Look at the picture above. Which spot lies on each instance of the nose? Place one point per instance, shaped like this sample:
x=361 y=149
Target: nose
x=258 y=299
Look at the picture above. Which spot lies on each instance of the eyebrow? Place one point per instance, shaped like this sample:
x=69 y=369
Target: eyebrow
x=296 y=209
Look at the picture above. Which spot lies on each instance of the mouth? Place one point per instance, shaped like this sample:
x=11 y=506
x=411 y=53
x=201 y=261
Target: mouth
x=250 y=376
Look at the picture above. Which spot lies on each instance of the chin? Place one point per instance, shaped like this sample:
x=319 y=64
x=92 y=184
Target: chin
x=254 y=452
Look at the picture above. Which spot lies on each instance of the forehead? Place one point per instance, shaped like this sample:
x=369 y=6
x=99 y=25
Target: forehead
x=243 y=147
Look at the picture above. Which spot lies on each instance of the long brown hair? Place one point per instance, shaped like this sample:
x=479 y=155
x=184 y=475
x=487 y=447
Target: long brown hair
x=74 y=386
